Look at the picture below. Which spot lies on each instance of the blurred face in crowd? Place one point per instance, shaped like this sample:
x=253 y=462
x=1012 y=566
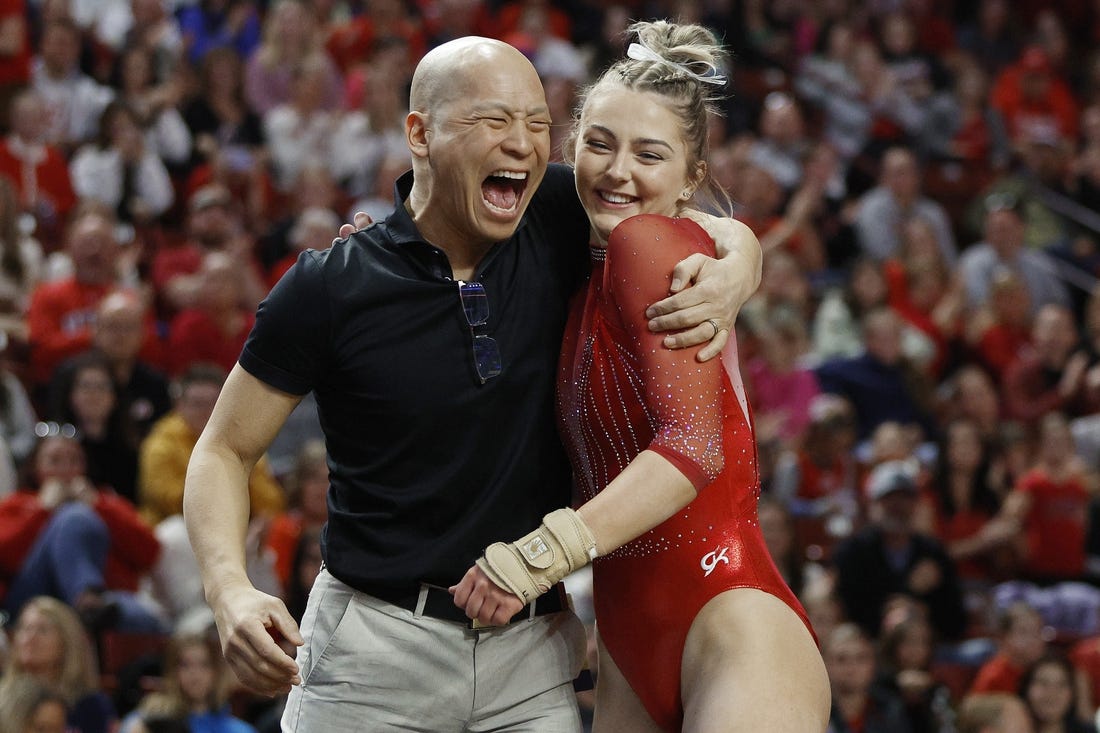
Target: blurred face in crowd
x=964 y=446
x=60 y=49
x=868 y=284
x=94 y=250
x=1056 y=444
x=1023 y=642
x=1054 y=334
x=900 y=175
x=850 y=661
x=29 y=117
x=197 y=403
x=221 y=281
x=976 y=397
x=882 y=336
x=1050 y=693
x=1004 y=231
x=93 y=395
x=59 y=457
x=915 y=648
x=37 y=643
x=120 y=327
x=781 y=121
x=196 y=675
x=212 y=225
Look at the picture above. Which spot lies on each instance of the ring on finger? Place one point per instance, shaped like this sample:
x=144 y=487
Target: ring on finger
x=714 y=324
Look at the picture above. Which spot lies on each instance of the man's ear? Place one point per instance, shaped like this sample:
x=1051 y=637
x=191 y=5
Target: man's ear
x=417 y=134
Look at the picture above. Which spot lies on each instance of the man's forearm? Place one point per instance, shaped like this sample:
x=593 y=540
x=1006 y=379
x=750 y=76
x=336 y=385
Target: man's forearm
x=744 y=249
x=216 y=509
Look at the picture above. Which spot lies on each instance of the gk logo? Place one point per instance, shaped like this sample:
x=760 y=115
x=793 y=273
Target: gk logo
x=711 y=560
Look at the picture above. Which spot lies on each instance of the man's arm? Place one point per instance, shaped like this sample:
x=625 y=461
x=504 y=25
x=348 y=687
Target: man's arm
x=246 y=419
x=703 y=289
x=718 y=288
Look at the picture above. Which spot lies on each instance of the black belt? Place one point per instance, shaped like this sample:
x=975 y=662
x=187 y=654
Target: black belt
x=440 y=604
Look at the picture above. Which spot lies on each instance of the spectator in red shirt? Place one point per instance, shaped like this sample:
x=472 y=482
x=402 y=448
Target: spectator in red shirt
x=62 y=312
x=1029 y=94
x=75 y=541
x=15 y=51
x=38 y=171
x=1050 y=375
x=213 y=224
x=215 y=329
x=1050 y=502
x=1021 y=643
x=966 y=505
x=1001 y=328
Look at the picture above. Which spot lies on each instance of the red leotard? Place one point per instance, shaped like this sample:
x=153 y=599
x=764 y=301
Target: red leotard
x=620 y=391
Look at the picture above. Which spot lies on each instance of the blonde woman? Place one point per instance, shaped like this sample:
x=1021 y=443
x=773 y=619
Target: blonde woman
x=49 y=645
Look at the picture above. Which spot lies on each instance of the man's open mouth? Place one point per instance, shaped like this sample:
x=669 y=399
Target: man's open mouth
x=503 y=190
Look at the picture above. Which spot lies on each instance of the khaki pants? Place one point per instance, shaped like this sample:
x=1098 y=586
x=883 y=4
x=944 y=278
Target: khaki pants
x=367 y=665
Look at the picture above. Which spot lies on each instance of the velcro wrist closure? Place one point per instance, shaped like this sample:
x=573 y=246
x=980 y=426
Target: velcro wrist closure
x=533 y=564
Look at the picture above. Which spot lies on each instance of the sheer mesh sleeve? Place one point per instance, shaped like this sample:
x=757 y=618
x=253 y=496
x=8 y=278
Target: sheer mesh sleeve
x=683 y=398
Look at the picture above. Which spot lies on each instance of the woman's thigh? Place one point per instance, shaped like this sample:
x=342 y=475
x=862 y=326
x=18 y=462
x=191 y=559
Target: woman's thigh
x=618 y=707
x=750 y=664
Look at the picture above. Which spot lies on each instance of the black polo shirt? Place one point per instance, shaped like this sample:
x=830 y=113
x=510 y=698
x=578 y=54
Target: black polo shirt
x=428 y=465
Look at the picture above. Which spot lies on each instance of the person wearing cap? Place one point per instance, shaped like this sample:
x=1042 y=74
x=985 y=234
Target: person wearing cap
x=890 y=557
x=213 y=224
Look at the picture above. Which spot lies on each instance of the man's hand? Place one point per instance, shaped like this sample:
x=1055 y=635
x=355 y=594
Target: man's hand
x=483 y=599
x=249 y=625
x=707 y=309
x=362 y=221
x=53 y=493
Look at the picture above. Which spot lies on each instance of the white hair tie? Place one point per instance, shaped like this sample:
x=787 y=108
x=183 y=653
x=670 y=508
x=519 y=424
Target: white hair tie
x=639 y=52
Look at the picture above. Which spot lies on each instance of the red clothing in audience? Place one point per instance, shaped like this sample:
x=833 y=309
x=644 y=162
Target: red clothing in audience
x=133 y=551
x=59 y=321
x=999 y=674
x=195 y=337
x=16 y=69
x=40 y=176
x=1055 y=525
x=1054 y=112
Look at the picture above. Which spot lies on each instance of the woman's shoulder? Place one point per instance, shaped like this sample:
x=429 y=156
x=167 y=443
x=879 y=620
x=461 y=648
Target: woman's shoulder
x=649 y=232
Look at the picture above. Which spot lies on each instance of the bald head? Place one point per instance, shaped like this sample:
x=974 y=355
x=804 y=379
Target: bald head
x=446 y=72
x=479 y=133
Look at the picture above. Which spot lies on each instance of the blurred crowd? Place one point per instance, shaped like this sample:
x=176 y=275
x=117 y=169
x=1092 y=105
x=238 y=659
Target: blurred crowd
x=922 y=357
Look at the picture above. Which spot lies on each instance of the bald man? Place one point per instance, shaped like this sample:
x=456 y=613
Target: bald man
x=430 y=341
